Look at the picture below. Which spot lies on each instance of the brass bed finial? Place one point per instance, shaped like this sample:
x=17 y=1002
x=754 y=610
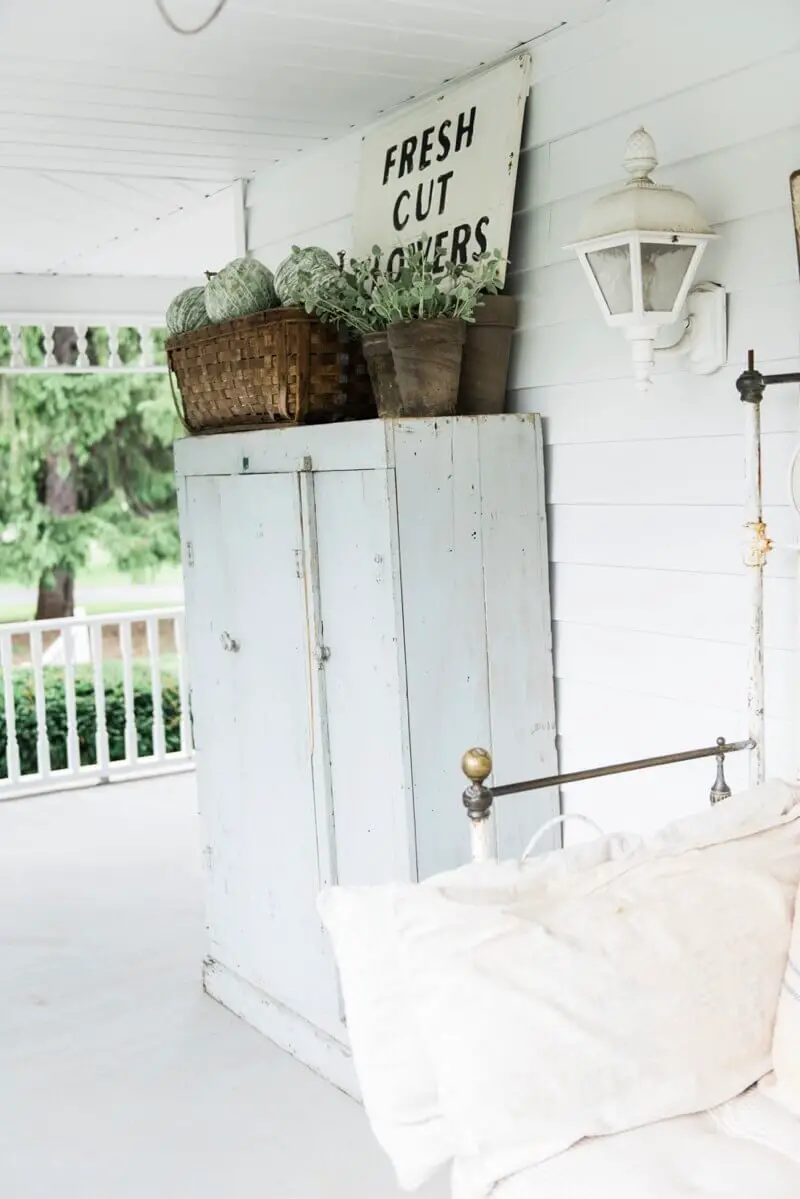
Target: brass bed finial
x=477 y=766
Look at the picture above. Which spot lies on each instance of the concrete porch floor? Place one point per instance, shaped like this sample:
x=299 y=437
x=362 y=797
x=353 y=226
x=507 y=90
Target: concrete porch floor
x=119 y=1079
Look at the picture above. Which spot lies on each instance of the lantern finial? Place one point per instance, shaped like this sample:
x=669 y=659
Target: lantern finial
x=640 y=156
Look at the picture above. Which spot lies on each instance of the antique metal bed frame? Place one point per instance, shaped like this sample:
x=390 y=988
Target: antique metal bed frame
x=479 y=799
x=477 y=763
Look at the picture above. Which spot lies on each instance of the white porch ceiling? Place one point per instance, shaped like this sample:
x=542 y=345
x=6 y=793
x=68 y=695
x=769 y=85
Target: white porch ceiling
x=115 y=131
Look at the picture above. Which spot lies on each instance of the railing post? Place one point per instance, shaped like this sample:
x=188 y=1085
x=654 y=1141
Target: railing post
x=49 y=330
x=42 y=741
x=114 y=360
x=101 y=729
x=187 y=745
x=82 y=338
x=12 y=747
x=153 y=646
x=73 y=742
x=17 y=358
x=131 y=732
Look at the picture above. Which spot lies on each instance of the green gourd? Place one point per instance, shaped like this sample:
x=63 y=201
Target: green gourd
x=241 y=288
x=187 y=312
x=312 y=263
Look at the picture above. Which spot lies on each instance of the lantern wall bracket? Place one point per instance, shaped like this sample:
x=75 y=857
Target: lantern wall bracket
x=704 y=342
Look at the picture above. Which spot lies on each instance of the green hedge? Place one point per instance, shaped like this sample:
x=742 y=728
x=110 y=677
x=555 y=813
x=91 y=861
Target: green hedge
x=55 y=706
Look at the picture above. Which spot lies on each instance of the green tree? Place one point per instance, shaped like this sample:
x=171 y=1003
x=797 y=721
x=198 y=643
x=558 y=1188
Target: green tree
x=84 y=459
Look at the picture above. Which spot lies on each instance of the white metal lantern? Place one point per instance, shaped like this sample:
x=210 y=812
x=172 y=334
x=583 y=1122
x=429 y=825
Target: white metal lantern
x=640 y=247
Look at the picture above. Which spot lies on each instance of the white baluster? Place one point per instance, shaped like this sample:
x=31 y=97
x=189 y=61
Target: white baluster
x=73 y=742
x=42 y=742
x=49 y=344
x=82 y=338
x=101 y=729
x=15 y=334
x=12 y=746
x=183 y=685
x=114 y=360
x=145 y=345
x=154 y=650
x=131 y=738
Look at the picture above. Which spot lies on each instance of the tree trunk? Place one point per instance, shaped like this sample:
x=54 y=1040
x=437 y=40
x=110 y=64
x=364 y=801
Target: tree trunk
x=57 y=601
x=56 y=598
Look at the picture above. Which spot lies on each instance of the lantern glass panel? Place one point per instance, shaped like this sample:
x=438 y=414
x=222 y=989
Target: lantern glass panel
x=611 y=268
x=664 y=268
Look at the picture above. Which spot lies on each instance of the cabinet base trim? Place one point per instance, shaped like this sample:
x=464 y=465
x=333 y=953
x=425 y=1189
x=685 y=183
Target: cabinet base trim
x=322 y=1054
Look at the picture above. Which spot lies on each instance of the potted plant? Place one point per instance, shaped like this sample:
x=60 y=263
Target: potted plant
x=487 y=356
x=345 y=298
x=426 y=306
x=412 y=323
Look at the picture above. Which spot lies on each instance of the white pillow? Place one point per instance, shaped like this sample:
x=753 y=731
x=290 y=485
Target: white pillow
x=784 y=1087
x=646 y=990
x=395 y=1071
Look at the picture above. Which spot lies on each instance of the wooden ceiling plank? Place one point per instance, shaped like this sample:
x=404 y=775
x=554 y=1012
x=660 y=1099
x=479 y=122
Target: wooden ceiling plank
x=117 y=132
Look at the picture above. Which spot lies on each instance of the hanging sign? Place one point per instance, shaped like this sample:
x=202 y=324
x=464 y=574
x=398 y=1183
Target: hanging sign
x=442 y=173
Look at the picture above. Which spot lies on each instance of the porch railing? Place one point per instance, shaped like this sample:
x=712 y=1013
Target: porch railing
x=93 y=699
x=145 y=362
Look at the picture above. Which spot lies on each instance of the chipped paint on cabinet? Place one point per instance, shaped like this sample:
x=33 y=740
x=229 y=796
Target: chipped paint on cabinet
x=389 y=604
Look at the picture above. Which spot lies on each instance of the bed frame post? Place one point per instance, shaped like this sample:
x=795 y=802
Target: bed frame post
x=478 y=800
x=751 y=384
x=720 y=790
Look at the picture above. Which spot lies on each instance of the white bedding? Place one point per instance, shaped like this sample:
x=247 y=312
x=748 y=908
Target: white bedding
x=747 y=1149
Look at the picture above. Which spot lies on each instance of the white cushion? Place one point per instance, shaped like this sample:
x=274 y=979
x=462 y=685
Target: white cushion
x=645 y=990
x=784 y=1085
x=395 y=1071
x=747 y=1149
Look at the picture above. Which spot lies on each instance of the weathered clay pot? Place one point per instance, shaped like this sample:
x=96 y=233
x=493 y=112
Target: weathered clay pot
x=427 y=360
x=487 y=354
x=380 y=365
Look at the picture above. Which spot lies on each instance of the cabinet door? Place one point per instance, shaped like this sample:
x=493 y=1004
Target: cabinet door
x=476 y=616
x=367 y=727
x=252 y=676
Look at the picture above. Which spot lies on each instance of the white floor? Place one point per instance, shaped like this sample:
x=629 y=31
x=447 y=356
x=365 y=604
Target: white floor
x=119 y=1079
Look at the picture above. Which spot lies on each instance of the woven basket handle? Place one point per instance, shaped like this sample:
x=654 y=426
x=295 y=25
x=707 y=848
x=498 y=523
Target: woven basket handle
x=177 y=402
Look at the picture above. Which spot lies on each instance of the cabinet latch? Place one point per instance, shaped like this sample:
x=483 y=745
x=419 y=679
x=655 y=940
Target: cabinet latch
x=321 y=654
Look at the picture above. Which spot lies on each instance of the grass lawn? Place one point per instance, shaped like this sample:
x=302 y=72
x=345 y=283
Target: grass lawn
x=101 y=577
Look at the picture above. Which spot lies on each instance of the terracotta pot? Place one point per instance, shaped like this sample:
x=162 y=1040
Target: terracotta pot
x=427 y=360
x=487 y=354
x=380 y=365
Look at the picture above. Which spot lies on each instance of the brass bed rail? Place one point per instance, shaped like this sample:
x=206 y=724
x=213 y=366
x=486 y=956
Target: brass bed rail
x=479 y=799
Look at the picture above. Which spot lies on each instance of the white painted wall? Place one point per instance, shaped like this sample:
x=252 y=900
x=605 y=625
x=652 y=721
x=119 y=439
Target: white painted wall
x=644 y=494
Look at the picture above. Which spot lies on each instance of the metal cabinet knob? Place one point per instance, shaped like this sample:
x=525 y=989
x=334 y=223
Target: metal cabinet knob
x=230 y=644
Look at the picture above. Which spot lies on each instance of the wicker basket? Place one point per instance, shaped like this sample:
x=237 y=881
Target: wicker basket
x=280 y=367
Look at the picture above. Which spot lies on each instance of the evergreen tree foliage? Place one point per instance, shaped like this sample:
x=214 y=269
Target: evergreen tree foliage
x=85 y=458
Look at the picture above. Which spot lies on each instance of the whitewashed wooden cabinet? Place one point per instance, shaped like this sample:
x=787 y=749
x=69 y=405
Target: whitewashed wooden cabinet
x=364 y=602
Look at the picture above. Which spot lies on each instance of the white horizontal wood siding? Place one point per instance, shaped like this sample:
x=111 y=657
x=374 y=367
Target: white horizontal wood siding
x=644 y=494
x=308 y=201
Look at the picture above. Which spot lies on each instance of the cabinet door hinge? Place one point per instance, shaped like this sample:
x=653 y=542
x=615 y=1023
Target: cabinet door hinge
x=189 y=554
